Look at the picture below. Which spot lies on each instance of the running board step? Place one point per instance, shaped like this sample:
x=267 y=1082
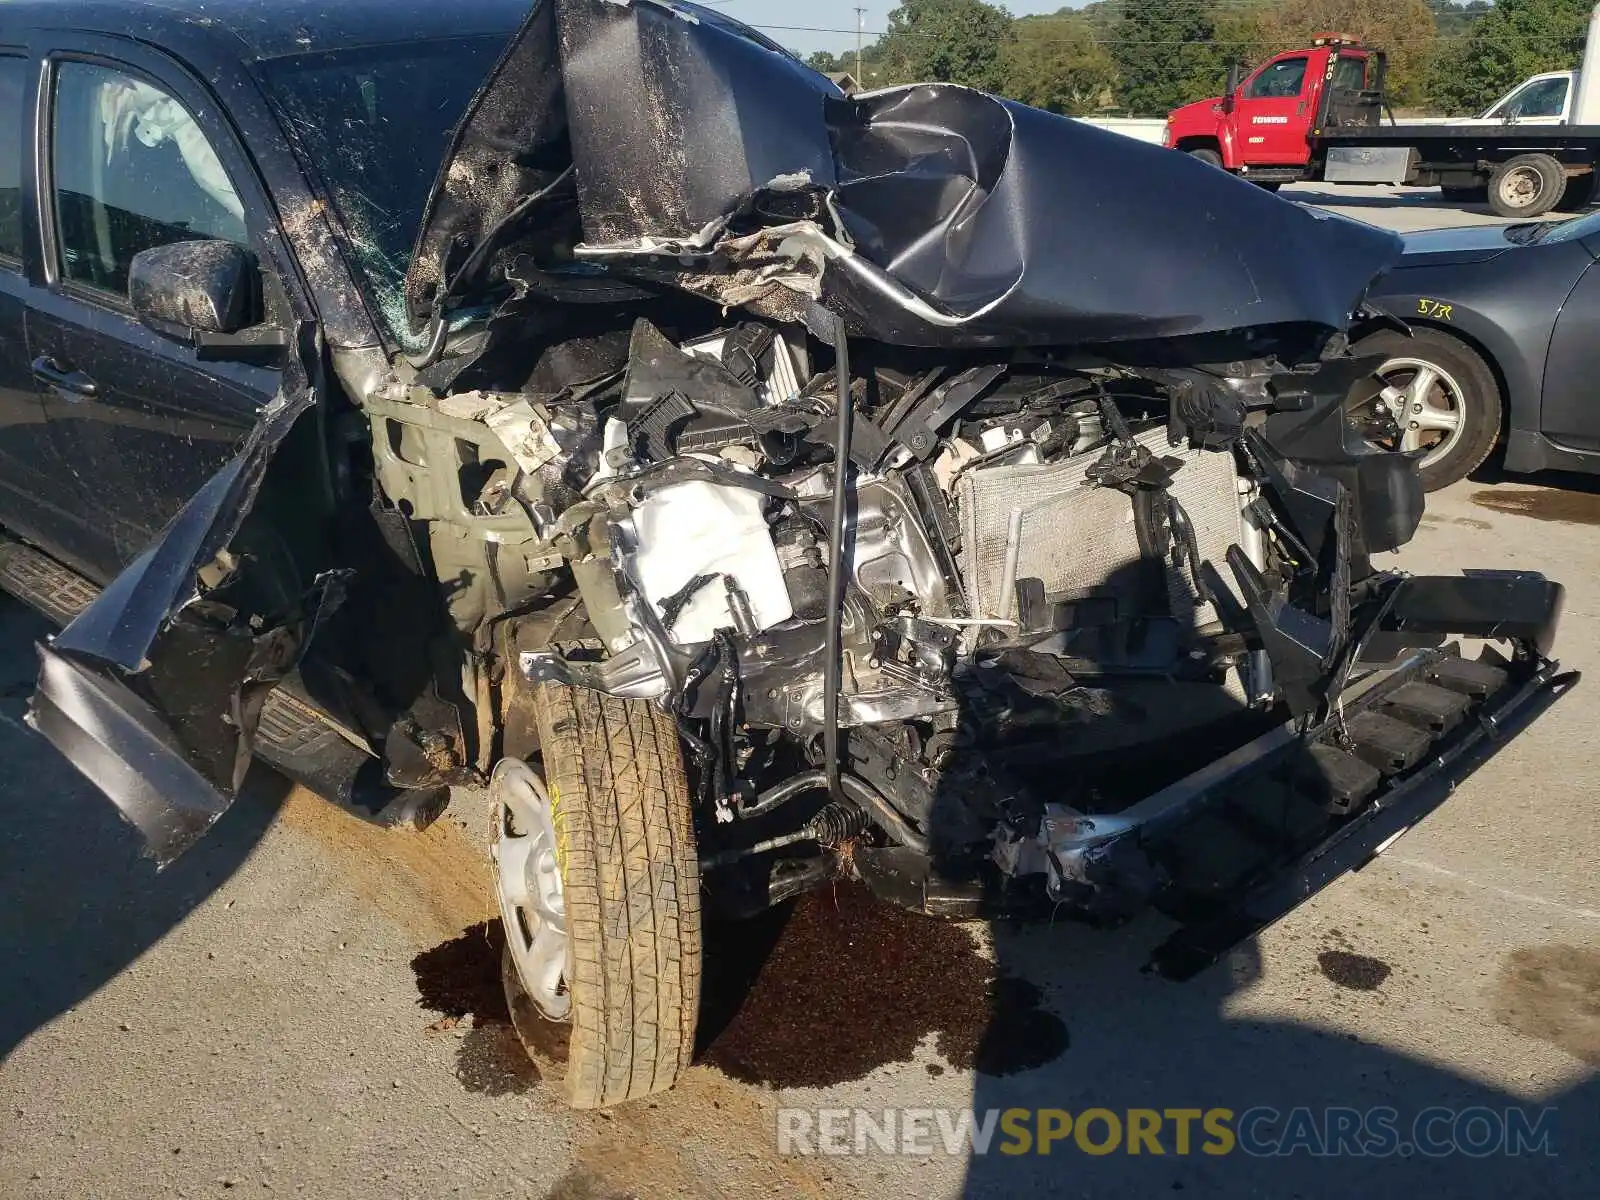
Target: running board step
x=44 y=585
x=295 y=736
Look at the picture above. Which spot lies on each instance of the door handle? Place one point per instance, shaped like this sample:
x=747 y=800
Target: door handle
x=63 y=379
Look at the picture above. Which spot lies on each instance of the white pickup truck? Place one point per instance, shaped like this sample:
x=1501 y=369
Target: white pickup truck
x=1544 y=99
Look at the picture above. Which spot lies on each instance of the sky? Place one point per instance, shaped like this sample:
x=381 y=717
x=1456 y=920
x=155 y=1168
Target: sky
x=770 y=15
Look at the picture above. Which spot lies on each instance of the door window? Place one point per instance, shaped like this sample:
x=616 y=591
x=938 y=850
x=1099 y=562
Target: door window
x=14 y=74
x=1545 y=98
x=132 y=171
x=1280 y=80
x=1350 y=74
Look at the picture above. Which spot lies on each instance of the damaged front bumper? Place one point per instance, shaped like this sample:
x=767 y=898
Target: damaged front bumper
x=1247 y=904
x=1233 y=846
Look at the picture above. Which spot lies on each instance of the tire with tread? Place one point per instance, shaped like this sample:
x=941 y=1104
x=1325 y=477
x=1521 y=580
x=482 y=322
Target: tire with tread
x=631 y=880
x=1206 y=155
x=1483 y=402
x=1552 y=179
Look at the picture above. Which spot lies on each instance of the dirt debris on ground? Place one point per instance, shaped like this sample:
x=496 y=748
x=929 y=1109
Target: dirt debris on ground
x=707 y=1139
x=434 y=883
x=1542 y=504
x=841 y=984
x=1553 y=993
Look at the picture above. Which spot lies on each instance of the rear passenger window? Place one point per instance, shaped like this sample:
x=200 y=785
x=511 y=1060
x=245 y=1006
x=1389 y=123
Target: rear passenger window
x=14 y=74
x=132 y=171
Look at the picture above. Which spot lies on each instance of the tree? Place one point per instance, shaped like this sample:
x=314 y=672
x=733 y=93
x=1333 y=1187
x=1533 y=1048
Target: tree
x=1403 y=29
x=1166 y=55
x=1054 y=63
x=947 y=41
x=1515 y=39
x=1454 y=18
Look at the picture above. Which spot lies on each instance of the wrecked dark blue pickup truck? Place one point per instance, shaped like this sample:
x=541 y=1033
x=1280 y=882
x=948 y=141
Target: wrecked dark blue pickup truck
x=753 y=485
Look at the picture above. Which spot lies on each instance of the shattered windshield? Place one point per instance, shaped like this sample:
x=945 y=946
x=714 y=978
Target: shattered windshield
x=373 y=123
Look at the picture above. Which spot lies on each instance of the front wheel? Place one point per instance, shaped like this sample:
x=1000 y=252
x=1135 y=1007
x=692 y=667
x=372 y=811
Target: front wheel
x=1440 y=399
x=1203 y=154
x=598 y=881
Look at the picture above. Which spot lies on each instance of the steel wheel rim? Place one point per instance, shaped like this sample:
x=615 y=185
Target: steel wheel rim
x=528 y=886
x=1521 y=188
x=1424 y=399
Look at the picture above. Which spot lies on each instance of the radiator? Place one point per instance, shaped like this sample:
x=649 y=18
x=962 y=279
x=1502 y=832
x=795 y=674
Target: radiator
x=1081 y=538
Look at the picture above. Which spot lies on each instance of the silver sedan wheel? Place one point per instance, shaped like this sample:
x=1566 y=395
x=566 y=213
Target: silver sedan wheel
x=1427 y=405
x=527 y=876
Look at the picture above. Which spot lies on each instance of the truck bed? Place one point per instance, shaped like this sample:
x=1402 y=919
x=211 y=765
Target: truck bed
x=1493 y=137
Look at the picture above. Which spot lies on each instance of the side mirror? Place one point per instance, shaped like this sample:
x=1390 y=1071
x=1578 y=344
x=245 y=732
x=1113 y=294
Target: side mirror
x=1230 y=91
x=205 y=294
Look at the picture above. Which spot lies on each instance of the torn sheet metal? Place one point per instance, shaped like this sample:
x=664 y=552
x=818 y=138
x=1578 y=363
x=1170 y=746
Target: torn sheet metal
x=119 y=628
x=158 y=714
x=932 y=214
x=524 y=429
x=125 y=748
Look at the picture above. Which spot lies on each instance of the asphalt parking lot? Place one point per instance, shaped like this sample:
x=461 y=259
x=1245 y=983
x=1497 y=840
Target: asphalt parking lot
x=305 y=1005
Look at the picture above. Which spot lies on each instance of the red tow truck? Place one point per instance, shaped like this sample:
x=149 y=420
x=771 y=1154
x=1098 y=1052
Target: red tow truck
x=1317 y=114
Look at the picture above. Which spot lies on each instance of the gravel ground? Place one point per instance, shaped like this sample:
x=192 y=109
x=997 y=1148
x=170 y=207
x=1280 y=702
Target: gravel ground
x=304 y=1004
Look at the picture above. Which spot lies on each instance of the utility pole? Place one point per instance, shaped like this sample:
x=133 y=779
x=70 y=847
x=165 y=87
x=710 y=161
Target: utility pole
x=861 y=28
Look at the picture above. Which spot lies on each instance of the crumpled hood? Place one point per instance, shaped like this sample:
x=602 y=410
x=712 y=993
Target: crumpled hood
x=705 y=158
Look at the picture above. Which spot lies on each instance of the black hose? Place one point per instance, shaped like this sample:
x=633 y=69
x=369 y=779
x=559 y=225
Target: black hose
x=782 y=793
x=833 y=646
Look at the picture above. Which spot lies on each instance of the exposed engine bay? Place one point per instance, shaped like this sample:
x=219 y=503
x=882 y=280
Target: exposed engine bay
x=1045 y=558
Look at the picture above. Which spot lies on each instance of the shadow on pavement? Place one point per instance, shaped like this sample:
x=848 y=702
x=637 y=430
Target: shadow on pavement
x=1139 y=1042
x=1493 y=471
x=78 y=901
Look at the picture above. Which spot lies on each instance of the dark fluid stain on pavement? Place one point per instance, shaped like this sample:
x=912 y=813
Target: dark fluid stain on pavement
x=578 y=1184
x=1543 y=504
x=460 y=979
x=839 y=984
x=1355 y=971
x=1463 y=522
x=1553 y=993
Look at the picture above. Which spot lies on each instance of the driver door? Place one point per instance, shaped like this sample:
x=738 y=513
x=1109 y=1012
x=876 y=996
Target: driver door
x=154 y=697
x=140 y=422
x=1272 y=113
